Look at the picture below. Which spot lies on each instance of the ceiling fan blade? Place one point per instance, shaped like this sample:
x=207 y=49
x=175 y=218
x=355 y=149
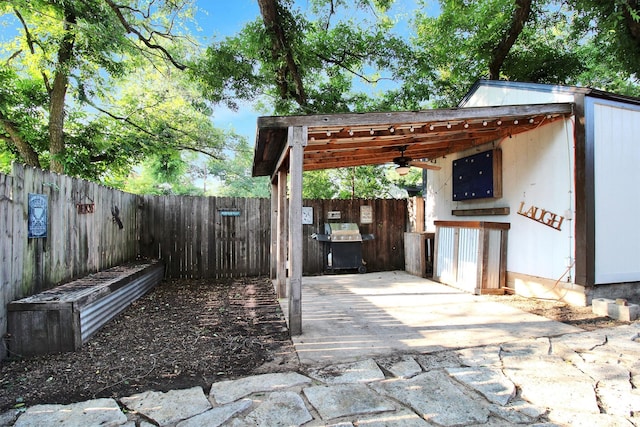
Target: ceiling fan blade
x=425 y=165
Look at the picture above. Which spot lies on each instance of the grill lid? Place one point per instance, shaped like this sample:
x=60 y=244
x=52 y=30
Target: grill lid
x=343 y=232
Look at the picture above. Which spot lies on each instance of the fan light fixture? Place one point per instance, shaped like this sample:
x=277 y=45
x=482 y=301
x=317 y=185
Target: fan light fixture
x=402 y=169
x=402 y=162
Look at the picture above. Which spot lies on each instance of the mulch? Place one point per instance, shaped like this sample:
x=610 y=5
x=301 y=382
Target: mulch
x=184 y=333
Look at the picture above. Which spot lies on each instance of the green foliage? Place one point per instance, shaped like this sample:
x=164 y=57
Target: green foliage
x=611 y=30
x=68 y=56
x=363 y=182
x=5 y=162
x=459 y=44
x=319 y=185
x=234 y=173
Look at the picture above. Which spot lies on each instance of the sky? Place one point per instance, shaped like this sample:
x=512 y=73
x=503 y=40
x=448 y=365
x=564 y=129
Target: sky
x=218 y=19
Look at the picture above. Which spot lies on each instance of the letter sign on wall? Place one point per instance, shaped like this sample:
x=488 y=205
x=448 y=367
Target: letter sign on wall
x=542 y=216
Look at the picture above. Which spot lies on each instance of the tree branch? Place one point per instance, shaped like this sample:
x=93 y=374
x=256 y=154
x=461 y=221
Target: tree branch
x=498 y=55
x=344 y=67
x=198 y=150
x=136 y=126
x=31 y=43
x=25 y=150
x=146 y=40
x=12 y=57
x=632 y=8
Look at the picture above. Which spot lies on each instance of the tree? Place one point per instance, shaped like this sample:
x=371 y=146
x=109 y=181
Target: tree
x=75 y=47
x=319 y=184
x=235 y=173
x=611 y=29
x=506 y=39
x=363 y=182
x=302 y=66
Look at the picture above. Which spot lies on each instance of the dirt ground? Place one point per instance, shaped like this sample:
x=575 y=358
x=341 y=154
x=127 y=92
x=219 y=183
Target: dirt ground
x=186 y=333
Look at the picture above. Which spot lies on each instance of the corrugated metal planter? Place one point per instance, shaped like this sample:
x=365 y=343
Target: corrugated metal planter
x=471 y=255
x=63 y=318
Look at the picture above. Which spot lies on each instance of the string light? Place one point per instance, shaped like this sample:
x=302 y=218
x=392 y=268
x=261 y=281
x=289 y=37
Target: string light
x=371 y=131
x=484 y=123
x=350 y=132
x=328 y=133
x=515 y=122
x=431 y=127
x=499 y=122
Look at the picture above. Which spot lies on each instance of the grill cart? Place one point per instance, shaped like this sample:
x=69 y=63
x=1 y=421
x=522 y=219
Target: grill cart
x=344 y=246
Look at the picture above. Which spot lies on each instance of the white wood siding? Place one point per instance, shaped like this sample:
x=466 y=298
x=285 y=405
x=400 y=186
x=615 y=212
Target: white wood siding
x=616 y=131
x=537 y=170
x=486 y=96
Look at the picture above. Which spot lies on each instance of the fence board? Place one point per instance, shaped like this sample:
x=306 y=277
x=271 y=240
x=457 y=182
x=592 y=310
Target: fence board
x=7 y=278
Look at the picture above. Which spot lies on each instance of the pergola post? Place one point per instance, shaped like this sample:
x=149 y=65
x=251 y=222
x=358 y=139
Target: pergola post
x=297 y=140
x=273 y=249
x=282 y=235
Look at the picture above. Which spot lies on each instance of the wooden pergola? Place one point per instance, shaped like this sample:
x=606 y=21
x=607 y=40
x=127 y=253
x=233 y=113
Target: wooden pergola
x=290 y=145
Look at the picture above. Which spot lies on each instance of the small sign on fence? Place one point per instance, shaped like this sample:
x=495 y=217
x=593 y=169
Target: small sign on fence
x=38 y=209
x=229 y=212
x=85 y=208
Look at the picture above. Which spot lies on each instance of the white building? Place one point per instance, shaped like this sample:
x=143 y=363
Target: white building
x=569 y=192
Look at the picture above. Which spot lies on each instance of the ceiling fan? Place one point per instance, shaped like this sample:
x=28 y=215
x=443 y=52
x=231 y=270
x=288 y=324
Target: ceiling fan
x=403 y=163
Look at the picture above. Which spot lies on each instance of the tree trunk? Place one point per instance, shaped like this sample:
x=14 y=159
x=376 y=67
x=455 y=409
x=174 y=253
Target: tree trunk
x=28 y=154
x=59 y=92
x=499 y=54
x=632 y=24
x=282 y=53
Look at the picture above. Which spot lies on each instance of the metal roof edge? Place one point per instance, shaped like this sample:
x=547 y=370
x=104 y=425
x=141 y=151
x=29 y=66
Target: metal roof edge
x=549 y=88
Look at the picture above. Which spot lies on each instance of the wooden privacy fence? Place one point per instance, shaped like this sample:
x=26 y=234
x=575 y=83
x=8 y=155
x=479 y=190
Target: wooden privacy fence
x=387 y=222
x=207 y=237
x=81 y=235
x=91 y=228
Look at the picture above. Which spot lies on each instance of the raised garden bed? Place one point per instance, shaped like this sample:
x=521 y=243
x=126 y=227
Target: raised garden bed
x=62 y=318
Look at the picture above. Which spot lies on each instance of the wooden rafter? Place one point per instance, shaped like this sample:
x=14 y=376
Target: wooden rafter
x=344 y=140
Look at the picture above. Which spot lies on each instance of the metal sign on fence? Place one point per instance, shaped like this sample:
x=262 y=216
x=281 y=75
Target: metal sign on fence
x=38 y=207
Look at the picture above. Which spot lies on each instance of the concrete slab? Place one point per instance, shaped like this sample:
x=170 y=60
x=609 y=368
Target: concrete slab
x=355 y=372
x=436 y=398
x=217 y=416
x=170 y=407
x=401 y=418
x=353 y=316
x=97 y=412
x=344 y=400
x=402 y=366
x=280 y=408
x=489 y=382
x=230 y=390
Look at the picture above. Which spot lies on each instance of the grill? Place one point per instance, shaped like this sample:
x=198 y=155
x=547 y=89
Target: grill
x=344 y=246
